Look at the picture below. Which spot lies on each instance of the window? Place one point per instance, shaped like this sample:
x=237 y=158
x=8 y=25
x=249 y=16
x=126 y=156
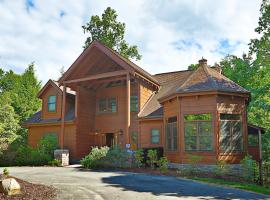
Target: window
x=171 y=134
x=133 y=103
x=198 y=132
x=231 y=139
x=107 y=105
x=52 y=103
x=155 y=136
x=253 y=140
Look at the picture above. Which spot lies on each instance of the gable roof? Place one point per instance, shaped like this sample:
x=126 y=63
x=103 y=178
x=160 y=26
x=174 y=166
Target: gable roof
x=120 y=60
x=55 y=85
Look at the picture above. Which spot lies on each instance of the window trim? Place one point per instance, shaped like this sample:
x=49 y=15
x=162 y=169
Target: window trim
x=137 y=110
x=48 y=103
x=197 y=132
x=155 y=129
x=171 y=134
x=231 y=135
x=107 y=111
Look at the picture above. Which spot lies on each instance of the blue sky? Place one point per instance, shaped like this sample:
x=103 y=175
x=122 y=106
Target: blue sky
x=170 y=34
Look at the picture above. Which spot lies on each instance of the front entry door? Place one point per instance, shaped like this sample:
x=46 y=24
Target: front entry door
x=109 y=139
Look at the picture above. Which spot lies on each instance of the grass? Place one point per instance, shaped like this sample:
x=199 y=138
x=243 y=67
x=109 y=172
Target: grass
x=249 y=187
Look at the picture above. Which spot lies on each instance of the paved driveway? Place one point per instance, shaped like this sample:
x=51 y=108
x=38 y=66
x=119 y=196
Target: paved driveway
x=76 y=184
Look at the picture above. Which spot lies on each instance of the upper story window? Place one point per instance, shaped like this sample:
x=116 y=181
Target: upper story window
x=198 y=132
x=107 y=105
x=171 y=134
x=52 y=103
x=253 y=140
x=231 y=137
x=134 y=103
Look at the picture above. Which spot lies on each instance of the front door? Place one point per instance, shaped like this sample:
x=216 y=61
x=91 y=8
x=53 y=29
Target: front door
x=109 y=139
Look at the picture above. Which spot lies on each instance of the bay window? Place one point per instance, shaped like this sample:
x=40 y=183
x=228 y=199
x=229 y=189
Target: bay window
x=198 y=132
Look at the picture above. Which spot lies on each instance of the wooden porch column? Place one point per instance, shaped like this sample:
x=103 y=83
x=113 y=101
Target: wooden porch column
x=128 y=110
x=63 y=117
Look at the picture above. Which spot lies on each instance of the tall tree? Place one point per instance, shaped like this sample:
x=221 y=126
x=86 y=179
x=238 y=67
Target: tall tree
x=110 y=32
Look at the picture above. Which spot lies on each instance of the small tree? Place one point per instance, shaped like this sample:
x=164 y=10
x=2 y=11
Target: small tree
x=110 y=32
x=152 y=155
x=138 y=156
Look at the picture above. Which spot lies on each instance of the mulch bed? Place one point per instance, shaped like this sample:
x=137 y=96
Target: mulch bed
x=30 y=191
x=175 y=173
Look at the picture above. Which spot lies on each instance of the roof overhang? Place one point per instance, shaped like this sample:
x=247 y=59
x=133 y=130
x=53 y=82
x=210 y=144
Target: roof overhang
x=47 y=85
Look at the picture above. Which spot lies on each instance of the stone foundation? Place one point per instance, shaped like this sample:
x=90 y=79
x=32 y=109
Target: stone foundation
x=62 y=155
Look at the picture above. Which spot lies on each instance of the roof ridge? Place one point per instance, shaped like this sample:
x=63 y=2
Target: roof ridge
x=186 y=70
x=206 y=70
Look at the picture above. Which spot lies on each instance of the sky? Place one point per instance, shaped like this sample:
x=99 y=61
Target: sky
x=170 y=34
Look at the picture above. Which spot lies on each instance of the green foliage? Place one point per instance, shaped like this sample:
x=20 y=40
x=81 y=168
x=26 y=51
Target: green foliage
x=222 y=168
x=250 y=169
x=163 y=164
x=48 y=144
x=118 y=157
x=138 y=157
x=110 y=32
x=96 y=158
x=194 y=160
x=193 y=66
x=153 y=158
x=55 y=163
x=5 y=172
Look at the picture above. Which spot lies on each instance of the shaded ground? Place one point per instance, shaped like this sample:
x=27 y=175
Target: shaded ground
x=109 y=185
x=30 y=191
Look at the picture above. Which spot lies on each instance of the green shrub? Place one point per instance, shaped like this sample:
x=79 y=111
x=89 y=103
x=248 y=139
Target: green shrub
x=5 y=172
x=250 y=169
x=138 y=158
x=96 y=158
x=118 y=157
x=222 y=168
x=163 y=164
x=152 y=155
x=48 y=144
x=193 y=168
x=55 y=163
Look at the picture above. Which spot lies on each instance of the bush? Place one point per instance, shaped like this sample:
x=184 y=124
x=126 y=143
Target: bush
x=96 y=158
x=138 y=158
x=250 y=169
x=152 y=155
x=222 y=168
x=48 y=144
x=55 y=163
x=118 y=157
x=193 y=168
x=163 y=164
x=5 y=172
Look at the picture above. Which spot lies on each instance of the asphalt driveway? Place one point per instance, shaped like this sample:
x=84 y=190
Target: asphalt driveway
x=76 y=184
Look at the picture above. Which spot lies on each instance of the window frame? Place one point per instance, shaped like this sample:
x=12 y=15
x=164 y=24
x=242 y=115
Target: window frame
x=108 y=109
x=136 y=105
x=198 y=135
x=155 y=129
x=51 y=103
x=231 y=150
x=171 y=124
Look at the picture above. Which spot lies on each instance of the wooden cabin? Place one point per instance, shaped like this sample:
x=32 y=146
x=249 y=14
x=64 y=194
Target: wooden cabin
x=105 y=99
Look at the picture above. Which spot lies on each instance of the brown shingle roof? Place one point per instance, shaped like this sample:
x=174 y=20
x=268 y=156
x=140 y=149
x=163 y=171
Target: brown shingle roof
x=201 y=80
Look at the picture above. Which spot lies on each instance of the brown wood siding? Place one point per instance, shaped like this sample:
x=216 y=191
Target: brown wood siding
x=35 y=134
x=85 y=121
x=49 y=92
x=145 y=133
x=233 y=105
x=145 y=94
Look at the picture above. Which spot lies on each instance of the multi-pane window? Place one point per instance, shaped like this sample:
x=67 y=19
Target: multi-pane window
x=231 y=137
x=253 y=140
x=133 y=103
x=171 y=134
x=198 y=132
x=107 y=105
x=52 y=103
x=155 y=136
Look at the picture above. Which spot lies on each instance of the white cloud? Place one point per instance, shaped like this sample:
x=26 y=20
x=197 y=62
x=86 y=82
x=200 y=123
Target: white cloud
x=170 y=34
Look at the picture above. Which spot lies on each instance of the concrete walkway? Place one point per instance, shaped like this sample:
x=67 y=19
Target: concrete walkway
x=74 y=183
